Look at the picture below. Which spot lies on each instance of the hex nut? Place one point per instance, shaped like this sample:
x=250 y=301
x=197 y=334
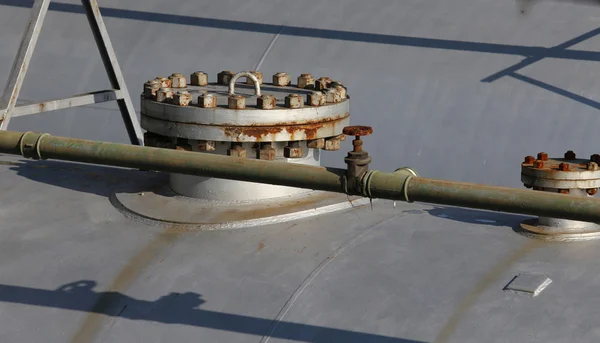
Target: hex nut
x=342 y=90
x=165 y=82
x=542 y=156
x=570 y=155
x=333 y=96
x=316 y=99
x=163 y=94
x=183 y=144
x=258 y=75
x=199 y=78
x=236 y=102
x=592 y=166
x=306 y=81
x=281 y=79
x=236 y=150
x=182 y=98
x=332 y=144
x=316 y=143
x=595 y=158
x=178 y=80
x=207 y=100
x=529 y=160
x=564 y=167
x=266 y=152
x=322 y=83
x=592 y=191
x=266 y=102
x=150 y=88
x=292 y=151
x=158 y=141
x=538 y=164
x=224 y=77
x=294 y=101
x=207 y=145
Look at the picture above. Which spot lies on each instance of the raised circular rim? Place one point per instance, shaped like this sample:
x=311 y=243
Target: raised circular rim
x=531 y=229
x=280 y=133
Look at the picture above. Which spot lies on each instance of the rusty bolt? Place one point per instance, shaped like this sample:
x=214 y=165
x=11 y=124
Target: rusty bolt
x=316 y=99
x=182 y=98
x=529 y=160
x=236 y=150
x=592 y=166
x=333 y=96
x=322 y=83
x=294 y=101
x=183 y=144
x=542 y=156
x=158 y=141
x=342 y=90
x=563 y=191
x=292 y=150
x=178 y=80
x=592 y=191
x=266 y=152
x=224 y=77
x=281 y=79
x=564 y=167
x=163 y=94
x=538 y=164
x=266 y=102
x=259 y=77
x=306 y=81
x=207 y=100
x=199 y=78
x=150 y=88
x=206 y=145
x=332 y=144
x=316 y=143
x=236 y=102
x=164 y=82
x=570 y=155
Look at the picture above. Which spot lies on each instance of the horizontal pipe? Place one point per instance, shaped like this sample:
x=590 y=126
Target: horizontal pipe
x=399 y=185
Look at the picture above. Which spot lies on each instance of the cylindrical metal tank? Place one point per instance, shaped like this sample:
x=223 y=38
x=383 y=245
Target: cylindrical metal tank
x=457 y=90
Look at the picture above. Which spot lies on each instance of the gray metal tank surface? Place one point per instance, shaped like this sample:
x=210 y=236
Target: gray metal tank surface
x=459 y=90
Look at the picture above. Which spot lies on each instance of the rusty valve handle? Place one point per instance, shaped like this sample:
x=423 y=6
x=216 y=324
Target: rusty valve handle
x=249 y=75
x=357 y=131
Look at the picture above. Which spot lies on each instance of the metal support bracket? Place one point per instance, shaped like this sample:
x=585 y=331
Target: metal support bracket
x=8 y=100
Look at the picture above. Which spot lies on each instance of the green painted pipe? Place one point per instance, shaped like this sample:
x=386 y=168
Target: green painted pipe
x=400 y=185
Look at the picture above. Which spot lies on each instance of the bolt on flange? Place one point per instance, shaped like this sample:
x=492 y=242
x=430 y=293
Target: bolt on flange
x=569 y=176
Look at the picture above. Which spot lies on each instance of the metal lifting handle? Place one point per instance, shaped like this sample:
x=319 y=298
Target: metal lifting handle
x=250 y=76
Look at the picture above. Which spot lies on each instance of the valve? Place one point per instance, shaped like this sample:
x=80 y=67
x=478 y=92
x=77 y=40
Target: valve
x=357 y=160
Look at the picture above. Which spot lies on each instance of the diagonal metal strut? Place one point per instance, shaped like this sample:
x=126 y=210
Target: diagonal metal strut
x=9 y=97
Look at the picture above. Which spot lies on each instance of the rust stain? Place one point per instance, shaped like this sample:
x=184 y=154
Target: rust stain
x=261 y=245
x=488 y=279
x=95 y=319
x=307 y=131
x=269 y=211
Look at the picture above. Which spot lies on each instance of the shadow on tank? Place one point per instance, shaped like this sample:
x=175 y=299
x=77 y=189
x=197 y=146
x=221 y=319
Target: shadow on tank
x=479 y=217
x=177 y=308
x=87 y=178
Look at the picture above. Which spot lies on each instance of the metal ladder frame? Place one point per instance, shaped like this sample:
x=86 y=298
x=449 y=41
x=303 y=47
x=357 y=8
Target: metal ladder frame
x=119 y=92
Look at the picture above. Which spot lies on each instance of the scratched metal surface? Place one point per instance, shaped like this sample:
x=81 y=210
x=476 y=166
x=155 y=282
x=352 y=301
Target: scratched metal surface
x=436 y=81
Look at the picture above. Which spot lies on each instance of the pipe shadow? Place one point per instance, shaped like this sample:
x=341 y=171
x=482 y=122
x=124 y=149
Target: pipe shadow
x=177 y=308
x=479 y=217
x=87 y=178
x=298 y=31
